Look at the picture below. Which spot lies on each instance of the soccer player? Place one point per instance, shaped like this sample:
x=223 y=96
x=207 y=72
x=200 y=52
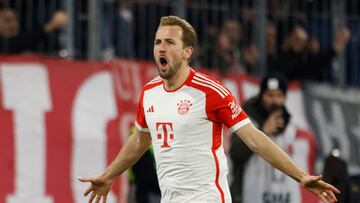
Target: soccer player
x=182 y=113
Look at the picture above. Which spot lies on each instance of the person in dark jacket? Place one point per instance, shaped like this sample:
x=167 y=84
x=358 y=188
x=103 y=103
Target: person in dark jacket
x=13 y=41
x=268 y=113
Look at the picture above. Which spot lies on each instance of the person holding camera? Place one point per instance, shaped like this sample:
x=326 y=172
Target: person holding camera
x=253 y=179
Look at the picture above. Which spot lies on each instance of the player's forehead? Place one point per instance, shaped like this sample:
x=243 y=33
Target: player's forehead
x=169 y=32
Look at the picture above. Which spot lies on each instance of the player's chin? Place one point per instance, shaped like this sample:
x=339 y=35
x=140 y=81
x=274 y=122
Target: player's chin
x=164 y=74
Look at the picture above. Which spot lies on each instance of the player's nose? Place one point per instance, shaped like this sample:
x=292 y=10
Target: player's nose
x=162 y=48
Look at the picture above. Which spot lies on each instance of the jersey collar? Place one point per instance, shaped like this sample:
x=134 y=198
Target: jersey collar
x=186 y=82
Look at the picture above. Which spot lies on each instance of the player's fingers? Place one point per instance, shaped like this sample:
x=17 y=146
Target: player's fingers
x=88 y=190
x=329 y=194
x=330 y=187
x=323 y=199
x=104 y=198
x=334 y=189
x=85 y=179
x=93 y=195
x=98 y=198
x=332 y=195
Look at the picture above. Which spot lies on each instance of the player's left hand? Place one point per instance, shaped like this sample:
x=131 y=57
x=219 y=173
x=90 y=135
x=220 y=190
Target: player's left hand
x=99 y=188
x=323 y=190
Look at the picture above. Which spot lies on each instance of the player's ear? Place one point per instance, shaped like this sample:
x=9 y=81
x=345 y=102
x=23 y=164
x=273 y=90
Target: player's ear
x=188 y=52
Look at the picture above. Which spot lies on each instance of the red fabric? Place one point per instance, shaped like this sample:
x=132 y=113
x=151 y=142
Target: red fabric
x=217 y=108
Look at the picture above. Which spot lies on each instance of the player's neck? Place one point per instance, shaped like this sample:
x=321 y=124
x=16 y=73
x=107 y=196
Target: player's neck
x=178 y=79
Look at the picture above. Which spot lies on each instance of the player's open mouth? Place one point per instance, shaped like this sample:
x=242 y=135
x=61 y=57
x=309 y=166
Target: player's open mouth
x=163 y=61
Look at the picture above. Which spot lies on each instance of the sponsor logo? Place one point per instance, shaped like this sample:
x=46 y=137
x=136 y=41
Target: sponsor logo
x=235 y=108
x=165 y=133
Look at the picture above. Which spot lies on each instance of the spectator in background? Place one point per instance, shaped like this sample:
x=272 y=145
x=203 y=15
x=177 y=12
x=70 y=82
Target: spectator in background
x=13 y=41
x=245 y=54
x=250 y=58
x=244 y=49
x=233 y=29
x=125 y=35
x=217 y=55
x=271 y=46
x=117 y=24
x=107 y=9
x=254 y=180
x=300 y=58
x=223 y=51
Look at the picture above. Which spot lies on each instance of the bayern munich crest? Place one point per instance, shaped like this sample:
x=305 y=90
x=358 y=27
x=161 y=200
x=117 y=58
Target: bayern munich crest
x=184 y=106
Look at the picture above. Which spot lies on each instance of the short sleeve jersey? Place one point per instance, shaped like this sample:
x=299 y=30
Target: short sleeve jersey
x=186 y=127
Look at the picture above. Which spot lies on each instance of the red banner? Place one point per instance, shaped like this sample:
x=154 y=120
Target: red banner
x=62 y=119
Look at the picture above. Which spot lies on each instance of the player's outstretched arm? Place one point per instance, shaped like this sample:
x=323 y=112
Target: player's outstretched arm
x=134 y=147
x=258 y=142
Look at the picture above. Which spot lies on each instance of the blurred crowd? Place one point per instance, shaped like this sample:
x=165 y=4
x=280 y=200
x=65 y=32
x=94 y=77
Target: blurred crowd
x=297 y=56
x=227 y=39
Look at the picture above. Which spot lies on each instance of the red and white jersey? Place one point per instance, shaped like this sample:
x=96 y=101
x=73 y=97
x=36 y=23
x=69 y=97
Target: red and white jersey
x=186 y=127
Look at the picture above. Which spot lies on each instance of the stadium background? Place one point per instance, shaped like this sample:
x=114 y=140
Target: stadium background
x=66 y=106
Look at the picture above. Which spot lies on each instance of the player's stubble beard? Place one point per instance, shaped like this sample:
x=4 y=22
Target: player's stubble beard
x=171 y=71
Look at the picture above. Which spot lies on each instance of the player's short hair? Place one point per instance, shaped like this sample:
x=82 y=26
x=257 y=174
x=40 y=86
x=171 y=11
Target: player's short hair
x=189 y=37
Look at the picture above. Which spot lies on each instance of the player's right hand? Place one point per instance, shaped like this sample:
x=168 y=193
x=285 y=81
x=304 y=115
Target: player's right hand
x=99 y=188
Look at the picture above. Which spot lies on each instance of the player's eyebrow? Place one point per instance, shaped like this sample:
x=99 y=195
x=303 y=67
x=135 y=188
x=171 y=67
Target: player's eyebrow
x=170 y=40
x=166 y=39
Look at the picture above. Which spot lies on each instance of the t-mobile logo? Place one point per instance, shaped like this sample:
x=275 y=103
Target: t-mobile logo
x=165 y=132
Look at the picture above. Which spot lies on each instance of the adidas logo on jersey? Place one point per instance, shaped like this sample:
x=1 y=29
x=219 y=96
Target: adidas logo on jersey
x=151 y=109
